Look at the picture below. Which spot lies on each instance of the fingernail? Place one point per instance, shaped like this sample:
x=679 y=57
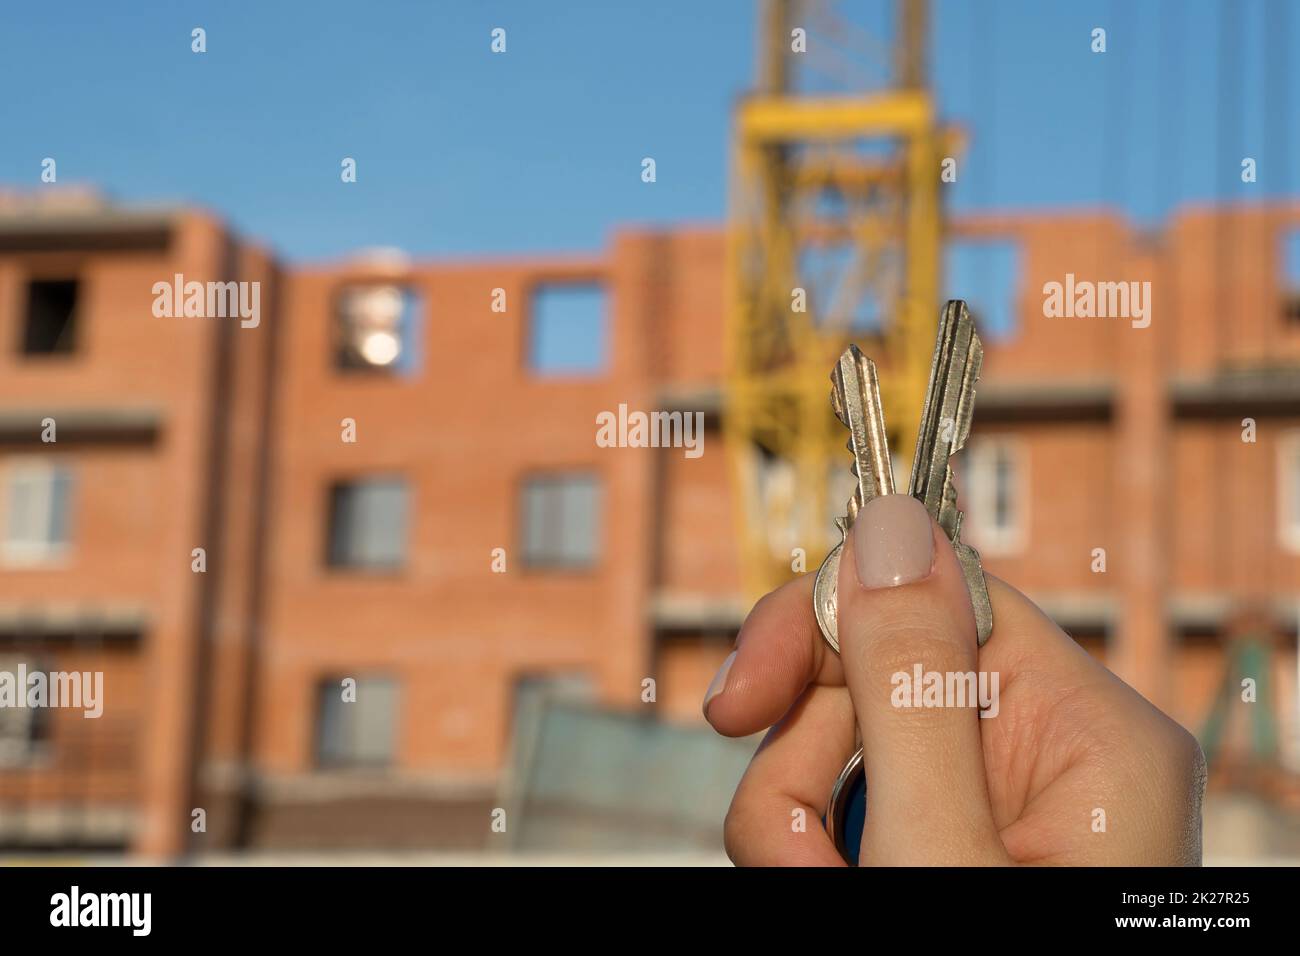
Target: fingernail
x=719 y=682
x=892 y=542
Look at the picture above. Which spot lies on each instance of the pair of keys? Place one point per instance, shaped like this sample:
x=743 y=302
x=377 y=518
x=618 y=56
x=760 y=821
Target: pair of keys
x=945 y=426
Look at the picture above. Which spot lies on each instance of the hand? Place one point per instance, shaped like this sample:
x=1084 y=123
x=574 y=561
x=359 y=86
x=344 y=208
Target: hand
x=1071 y=766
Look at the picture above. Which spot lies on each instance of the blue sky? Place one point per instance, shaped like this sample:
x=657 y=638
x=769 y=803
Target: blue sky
x=461 y=152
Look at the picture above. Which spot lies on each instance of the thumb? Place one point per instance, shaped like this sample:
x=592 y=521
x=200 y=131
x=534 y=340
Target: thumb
x=903 y=610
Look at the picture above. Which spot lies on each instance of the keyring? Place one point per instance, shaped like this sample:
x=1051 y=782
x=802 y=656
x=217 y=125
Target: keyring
x=846 y=812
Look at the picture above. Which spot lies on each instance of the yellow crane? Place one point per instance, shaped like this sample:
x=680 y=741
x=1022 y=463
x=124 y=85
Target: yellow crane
x=833 y=236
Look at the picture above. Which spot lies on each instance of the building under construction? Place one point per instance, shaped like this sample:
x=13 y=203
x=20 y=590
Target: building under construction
x=233 y=520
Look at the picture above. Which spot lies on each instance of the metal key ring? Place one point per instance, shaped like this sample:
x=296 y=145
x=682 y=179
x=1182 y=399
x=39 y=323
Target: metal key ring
x=837 y=810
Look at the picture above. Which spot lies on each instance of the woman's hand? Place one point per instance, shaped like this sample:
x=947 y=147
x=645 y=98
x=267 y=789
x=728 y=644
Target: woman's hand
x=1071 y=766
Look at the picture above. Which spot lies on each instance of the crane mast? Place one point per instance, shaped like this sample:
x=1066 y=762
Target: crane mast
x=833 y=236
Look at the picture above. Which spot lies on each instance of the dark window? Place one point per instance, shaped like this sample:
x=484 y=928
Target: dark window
x=356 y=723
x=377 y=329
x=1291 y=275
x=561 y=521
x=22 y=729
x=51 y=327
x=367 y=524
x=567 y=334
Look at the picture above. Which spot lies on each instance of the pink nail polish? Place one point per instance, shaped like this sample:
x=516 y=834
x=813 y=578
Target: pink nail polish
x=892 y=542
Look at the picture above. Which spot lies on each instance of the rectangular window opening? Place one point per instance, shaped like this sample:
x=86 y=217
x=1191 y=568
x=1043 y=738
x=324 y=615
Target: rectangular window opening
x=378 y=328
x=50 y=323
x=1290 y=282
x=1288 y=489
x=995 y=481
x=368 y=524
x=23 y=730
x=356 y=722
x=36 y=505
x=987 y=274
x=561 y=521
x=567 y=330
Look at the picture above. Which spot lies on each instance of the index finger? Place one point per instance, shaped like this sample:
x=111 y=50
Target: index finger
x=779 y=652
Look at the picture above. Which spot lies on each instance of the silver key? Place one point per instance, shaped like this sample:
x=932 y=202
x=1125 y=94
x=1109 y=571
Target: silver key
x=945 y=426
x=855 y=396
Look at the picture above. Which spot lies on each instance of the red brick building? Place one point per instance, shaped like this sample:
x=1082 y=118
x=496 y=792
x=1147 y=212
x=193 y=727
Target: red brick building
x=158 y=447
x=395 y=480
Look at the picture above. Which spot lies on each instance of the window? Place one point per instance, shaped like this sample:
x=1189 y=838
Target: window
x=996 y=487
x=367 y=524
x=377 y=328
x=567 y=334
x=561 y=521
x=1291 y=275
x=50 y=326
x=1288 y=486
x=987 y=275
x=37 y=501
x=356 y=725
x=22 y=729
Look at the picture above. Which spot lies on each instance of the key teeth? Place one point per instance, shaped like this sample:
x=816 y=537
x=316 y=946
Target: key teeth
x=955 y=325
x=837 y=401
x=856 y=370
x=947 y=516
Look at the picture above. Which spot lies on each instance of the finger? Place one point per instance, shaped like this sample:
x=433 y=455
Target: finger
x=904 y=610
x=775 y=816
x=779 y=652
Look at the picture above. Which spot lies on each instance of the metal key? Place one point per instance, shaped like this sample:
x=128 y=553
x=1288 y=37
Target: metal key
x=855 y=396
x=945 y=426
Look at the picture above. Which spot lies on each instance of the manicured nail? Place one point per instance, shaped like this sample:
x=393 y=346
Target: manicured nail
x=892 y=542
x=719 y=682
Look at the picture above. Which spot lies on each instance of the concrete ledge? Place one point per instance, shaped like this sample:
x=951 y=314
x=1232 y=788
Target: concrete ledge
x=1254 y=392
x=79 y=622
x=693 y=612
x=99 y=425
x=72 y=824
x=103 y=229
